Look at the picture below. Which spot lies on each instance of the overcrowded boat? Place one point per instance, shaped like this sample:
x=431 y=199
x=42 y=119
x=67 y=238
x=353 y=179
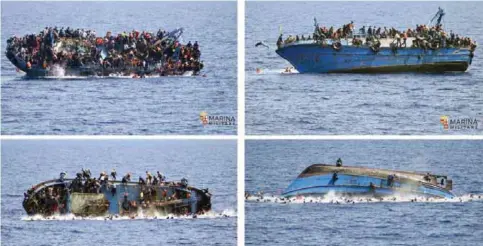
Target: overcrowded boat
x=79 y=52
x=427 y=48
x=103 y=196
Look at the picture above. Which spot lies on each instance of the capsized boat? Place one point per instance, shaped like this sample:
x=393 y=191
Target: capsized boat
x=425 y=49
x=320 y=179
x=64 y=196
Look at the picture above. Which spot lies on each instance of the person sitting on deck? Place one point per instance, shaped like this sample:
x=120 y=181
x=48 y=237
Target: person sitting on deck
x=427 y=177
x=338 y=163
x=126 y=178
x=155 y=180
x=62 y=176
x=86 y=173
x=184 y=182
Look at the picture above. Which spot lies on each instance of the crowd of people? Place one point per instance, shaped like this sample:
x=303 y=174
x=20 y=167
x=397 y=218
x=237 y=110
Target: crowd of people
x=122 y=53
x=54 y=199
x=424 y=36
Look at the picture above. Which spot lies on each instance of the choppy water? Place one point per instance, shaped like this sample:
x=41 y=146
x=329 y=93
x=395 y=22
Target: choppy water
x=356 y=103
x=167 y=105
x=272 y=165
x=206 y=164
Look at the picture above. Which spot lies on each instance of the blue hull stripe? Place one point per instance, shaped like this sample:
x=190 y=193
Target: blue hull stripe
x=314 y=58
x=351 y=184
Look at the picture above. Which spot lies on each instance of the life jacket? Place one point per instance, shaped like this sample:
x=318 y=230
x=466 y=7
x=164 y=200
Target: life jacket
x=29 y=65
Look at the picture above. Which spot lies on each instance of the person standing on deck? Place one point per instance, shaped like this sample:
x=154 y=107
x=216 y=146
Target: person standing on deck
x=113 y=173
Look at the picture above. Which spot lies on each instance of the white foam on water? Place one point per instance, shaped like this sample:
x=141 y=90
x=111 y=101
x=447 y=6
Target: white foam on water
x=188 y=73
x=140 y=216
x=262 y=71
x=333 y=198
x=57 y=71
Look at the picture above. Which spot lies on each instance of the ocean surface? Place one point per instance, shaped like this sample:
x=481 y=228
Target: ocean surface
x=271 y=166
x=167 y=105
x=205 y=163
x=407 y=103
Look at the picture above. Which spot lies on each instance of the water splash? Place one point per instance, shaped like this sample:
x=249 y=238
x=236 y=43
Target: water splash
x=333 y=198
x=261 y=71
x=227 y=213
x=57 y=71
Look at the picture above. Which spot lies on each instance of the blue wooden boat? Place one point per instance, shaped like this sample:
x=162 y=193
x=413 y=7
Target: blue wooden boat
x=320 y=179
x=383 y=55
x=116 y=198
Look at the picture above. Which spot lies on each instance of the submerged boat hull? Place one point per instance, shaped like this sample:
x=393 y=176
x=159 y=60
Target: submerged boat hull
x=118 y=199
x=361 y=182
x=318 y=58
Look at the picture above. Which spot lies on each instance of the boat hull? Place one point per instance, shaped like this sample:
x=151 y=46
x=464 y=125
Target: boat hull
x=317 y=58
x=85 y=70
x=320 y=185
x=118 y=199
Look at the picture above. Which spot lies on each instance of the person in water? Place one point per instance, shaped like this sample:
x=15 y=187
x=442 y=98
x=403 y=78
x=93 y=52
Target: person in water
x=338 y=163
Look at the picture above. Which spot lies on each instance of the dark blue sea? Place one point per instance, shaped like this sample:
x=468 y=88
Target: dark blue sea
x=205 y=163
x=167 y=105
x=405 y=103
x=271 y=166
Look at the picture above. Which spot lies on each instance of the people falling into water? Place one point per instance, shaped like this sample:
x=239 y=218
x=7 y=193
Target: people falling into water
x=339 y=162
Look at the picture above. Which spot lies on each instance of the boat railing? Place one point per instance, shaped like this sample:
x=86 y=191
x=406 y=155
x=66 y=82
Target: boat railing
x=36 y=188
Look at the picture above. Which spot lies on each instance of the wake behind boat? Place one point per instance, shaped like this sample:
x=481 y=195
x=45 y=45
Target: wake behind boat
x=321 y=179
x=79 y=52
x=428 y=48
x=86 y=196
